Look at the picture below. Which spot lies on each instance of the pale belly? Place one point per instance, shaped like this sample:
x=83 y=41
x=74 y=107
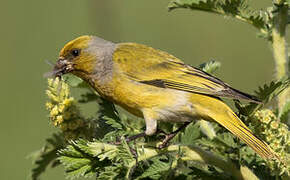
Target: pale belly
x=175 y=114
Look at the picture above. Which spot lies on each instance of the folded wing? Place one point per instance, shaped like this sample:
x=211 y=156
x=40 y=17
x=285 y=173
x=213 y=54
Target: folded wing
x=157 y=68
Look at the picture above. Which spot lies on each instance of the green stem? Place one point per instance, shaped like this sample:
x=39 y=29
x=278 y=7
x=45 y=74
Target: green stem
x=201 y=156
x=190 y=153
x=280 y=48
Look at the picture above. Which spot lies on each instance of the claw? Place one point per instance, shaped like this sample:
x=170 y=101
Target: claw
x=168 y=137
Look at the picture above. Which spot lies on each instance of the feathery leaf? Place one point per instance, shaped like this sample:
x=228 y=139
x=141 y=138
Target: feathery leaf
x=47 y=155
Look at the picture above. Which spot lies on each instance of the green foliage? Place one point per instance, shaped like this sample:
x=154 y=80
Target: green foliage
x=210 y=67
x=268 y=92
x=76 y=160
x=265 y=93
x=157 y=169
x=47 y=155
x=190 y=134
x=86 y=159
x=238 y=9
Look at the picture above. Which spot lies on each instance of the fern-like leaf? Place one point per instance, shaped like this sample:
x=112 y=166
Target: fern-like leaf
x=265 y=93
x=156 y=169
x=109 y=173
x=47 y=155
x=210 y=67
x=77 y=161
x=238 y=9
x=191 y=133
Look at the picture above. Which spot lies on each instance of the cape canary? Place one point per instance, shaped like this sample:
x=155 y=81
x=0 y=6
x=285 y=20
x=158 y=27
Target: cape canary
x=155 y=85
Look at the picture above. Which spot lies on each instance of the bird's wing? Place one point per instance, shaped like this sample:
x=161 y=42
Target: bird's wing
x=157 y=68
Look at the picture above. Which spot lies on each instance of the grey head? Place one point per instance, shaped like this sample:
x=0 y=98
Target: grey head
x=86 y=56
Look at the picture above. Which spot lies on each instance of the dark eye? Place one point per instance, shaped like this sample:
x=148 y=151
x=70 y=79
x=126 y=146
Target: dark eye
x=75 y=52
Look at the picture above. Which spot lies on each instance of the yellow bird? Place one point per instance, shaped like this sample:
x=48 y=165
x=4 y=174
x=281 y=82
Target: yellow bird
x=155 y=85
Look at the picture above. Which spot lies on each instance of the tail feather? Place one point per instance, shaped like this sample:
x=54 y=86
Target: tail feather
x=238 y=128
x=213 y=109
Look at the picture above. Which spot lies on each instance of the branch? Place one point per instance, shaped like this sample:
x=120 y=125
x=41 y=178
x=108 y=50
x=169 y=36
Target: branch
x=280 y=47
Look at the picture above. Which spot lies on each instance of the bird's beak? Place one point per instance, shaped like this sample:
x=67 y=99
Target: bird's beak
x=62 y=67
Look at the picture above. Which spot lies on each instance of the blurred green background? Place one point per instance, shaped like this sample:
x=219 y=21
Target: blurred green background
x=34 y=31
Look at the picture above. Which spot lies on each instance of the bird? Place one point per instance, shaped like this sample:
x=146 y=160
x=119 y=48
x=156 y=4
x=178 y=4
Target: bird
x=155 y=85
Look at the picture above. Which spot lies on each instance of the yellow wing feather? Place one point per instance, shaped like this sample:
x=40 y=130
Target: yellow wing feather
x=158 y=68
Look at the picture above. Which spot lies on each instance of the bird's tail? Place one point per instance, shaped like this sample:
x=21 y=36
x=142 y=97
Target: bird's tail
x=222 y=114
x=238 y=128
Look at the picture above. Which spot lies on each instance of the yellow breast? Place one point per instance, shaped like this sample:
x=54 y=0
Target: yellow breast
x=134 y=96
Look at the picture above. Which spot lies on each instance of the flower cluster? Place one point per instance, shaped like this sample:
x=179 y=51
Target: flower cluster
x=277 y=136
x=63 y=109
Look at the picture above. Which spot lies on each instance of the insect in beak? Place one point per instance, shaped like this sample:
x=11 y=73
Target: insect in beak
x=61 y=67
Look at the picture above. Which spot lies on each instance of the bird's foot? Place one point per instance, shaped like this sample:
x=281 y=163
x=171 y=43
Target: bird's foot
x=165 y=141
x=168 y=137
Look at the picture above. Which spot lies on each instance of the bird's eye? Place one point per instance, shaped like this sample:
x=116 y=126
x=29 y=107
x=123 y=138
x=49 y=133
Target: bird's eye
x=75 y=52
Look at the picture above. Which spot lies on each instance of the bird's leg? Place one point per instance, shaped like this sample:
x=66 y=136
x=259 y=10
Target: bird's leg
x=130 y=138
x=170 y=136
x=151 y=128
x=137 y=136
x=134 y=137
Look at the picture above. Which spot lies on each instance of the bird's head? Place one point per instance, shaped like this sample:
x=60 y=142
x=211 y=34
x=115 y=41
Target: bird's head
x=83 y=56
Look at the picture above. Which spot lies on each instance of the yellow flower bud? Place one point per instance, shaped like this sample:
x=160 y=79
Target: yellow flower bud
x=55 y=82
x=59 y=119
x=55 y=123
x=275 y=144
x=268 y=138
x=282 y=131
x=61 y=108
x=68 y=102
x=49 y=105
x=54 y=111
x=52 y=96
x=266 y=119
x=270 y=114
x=274 y=125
